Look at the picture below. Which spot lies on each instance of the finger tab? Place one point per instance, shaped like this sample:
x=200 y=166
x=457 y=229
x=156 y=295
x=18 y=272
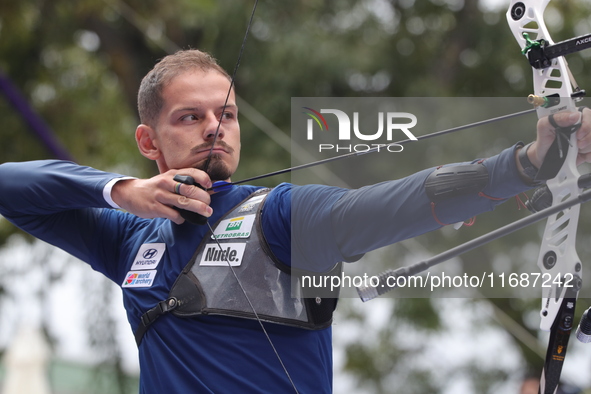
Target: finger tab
x=186 y=179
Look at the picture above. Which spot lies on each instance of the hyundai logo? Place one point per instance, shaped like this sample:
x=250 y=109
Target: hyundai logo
x=150 y=253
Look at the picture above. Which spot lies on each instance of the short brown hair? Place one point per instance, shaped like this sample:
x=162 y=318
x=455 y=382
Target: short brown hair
x=149 y=100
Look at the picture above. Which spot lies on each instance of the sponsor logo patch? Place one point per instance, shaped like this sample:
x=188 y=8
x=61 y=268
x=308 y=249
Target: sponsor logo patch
x=235 y=224
x=251 y=204
x=247 y=207
x=148 y=256
x=215 y=256
x=139 y=278
x=239 y=227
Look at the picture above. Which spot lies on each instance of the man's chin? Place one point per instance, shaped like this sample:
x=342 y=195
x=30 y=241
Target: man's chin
x=217 y=170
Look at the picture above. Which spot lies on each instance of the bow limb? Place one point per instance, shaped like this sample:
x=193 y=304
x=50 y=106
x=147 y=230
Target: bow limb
x=558 y=258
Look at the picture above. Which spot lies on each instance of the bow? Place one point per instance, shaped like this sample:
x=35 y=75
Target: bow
x=553 y=82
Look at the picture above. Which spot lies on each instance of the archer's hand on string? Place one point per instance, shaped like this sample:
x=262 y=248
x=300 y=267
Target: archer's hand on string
x=156 y=197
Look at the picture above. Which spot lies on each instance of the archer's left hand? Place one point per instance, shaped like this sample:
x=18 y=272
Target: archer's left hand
x=546 y=135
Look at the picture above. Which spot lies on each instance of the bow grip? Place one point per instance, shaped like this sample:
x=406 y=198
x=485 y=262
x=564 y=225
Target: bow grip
x=189 y=216
x=557 y=153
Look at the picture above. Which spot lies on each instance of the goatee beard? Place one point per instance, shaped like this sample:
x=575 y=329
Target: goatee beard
x=217 y=169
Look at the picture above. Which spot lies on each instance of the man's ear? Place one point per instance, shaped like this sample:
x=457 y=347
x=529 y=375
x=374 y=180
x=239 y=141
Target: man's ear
x=145 y=137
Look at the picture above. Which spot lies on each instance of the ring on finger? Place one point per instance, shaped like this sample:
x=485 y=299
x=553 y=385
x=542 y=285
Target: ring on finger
x=177 y=188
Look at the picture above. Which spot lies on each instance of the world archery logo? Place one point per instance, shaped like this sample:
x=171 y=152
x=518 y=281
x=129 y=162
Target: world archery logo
x=131 y=279
x=139 y=278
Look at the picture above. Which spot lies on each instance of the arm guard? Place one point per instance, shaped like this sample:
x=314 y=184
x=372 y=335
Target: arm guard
x=456 y=180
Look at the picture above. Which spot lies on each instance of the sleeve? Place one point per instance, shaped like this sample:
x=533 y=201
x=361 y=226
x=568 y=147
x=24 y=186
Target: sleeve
x=62 y=203
x=330 y=224
x=296 y=223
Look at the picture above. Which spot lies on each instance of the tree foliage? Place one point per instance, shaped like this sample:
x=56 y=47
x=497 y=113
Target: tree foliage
x=79 y=65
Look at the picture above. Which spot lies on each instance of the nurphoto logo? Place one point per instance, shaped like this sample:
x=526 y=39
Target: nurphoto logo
x=389 y=123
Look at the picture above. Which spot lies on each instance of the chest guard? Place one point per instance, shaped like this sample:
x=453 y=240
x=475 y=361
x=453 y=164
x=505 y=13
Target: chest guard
x=208 y=285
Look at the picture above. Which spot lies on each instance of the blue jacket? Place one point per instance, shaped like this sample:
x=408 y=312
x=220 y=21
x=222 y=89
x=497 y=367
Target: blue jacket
x=63 y=204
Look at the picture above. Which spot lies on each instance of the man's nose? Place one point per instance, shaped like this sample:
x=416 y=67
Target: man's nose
x=212 y=126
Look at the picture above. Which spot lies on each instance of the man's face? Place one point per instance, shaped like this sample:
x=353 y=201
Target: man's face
x=184 y=133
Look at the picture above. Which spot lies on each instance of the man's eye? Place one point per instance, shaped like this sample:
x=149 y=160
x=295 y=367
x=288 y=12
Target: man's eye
x=189 y=118
x=228 y=115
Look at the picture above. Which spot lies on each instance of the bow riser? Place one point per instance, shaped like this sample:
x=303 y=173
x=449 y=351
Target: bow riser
x=558 y=259
x=557 y=256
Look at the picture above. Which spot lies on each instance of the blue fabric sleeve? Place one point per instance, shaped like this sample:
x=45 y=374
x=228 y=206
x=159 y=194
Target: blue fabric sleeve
x=62 y=203
x=331 y=224
x=397 y=210
x=296 y=223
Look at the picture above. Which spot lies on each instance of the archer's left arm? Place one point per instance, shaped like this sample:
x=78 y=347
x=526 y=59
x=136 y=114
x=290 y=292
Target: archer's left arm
x=402 y=209
x=330 y=224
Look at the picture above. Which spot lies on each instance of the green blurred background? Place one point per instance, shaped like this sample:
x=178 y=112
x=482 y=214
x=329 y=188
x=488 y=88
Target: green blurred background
x=79 y=64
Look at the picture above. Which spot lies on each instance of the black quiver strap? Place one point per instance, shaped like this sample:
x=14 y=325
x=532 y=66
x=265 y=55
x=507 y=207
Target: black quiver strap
x=151 y=315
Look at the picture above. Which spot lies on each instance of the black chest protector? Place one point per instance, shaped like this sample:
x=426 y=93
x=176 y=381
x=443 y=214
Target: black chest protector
x=234 y=260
